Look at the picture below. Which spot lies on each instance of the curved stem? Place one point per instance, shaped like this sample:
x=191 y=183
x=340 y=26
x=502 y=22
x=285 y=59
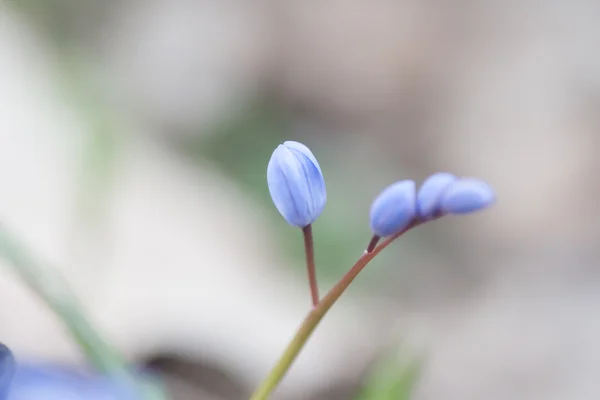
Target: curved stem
x=310 y=264
x=314 y=317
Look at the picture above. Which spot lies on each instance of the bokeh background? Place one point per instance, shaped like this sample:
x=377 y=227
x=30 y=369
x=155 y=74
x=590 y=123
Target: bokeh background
x=134 y=138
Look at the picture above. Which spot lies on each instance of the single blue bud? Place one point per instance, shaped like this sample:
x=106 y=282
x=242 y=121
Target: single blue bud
x=467 y=195
x=394 y=209
x=296 y=184
x=431 y=192
x=7 y=370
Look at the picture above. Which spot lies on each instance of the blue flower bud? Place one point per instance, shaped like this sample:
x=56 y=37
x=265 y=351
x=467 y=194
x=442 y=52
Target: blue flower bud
x=296 y=184
x=467 y=195
x=394 y=209
x=7 y=370
x=431 y=192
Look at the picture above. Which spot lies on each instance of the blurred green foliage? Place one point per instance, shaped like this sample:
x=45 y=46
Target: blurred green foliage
x=392 y=378
x=79 y=86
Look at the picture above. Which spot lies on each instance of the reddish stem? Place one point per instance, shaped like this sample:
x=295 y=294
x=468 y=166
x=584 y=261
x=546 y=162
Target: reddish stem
x=310 y=264
x=373 y=243
x=362 y=262
x=314 y=317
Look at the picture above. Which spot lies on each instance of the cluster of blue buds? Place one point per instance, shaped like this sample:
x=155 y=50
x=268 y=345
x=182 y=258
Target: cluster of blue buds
x=297 y=188
x=400 y=206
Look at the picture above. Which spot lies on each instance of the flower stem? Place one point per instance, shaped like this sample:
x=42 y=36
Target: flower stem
x=314 y=317
x=51 y=287
x=310 y=264
x=373 y=243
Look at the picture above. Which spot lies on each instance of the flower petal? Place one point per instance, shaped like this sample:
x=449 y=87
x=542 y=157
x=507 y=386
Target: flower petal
x=299 y=147
x=296 y=184
x=394 y=209
x=467 y=195
x=431 y=192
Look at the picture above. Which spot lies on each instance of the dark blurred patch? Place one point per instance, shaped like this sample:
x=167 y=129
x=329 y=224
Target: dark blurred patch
x=187 y=380
x=66 y=22
x=195 y=380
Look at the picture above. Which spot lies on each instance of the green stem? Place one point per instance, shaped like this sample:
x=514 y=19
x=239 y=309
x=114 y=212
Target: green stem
x=51 y=287
x=314 y=317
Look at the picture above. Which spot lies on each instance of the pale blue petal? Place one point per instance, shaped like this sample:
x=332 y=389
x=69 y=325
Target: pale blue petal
x=292 y=145
x=394 y=209
x=296 y=184
x=467 y=195
x=316 y=195
x=430 y=193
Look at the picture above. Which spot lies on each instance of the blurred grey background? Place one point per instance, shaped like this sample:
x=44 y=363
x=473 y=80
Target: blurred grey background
x=134 y=138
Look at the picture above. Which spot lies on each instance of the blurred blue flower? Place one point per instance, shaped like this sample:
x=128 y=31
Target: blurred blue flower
x=431 y=192
x=394 y=209
x=39 y=382
x=296 y=184
x=7 y=370
x=467 y=195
